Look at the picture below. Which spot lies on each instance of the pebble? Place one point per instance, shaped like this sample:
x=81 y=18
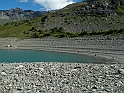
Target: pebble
x=121 y=71
x=61 y=78
x=3 y=73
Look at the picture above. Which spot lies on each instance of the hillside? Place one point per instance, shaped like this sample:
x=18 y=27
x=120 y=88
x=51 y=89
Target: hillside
x=84 y=18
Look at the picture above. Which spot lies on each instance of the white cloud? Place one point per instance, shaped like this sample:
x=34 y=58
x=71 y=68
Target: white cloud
x=23 y=0
x=54 y=4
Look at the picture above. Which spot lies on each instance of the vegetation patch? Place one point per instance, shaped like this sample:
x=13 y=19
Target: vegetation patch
x=60 y=33
x=120 y=9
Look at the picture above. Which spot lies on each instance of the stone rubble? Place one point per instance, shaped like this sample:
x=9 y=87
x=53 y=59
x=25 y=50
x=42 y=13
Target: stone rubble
x=53 y=77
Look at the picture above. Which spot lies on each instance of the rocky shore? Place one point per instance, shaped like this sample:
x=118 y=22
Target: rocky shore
x=61 y=78
x=105 y=47
x=56 y=77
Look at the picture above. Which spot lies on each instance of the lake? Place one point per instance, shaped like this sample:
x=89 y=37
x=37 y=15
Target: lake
x=44 y=56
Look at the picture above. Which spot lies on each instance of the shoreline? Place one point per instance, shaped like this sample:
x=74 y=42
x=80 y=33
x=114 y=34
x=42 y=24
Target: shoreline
x=106 y=59
x=108 y=48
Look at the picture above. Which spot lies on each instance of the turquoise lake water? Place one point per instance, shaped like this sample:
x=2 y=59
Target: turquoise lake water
x=43 y=56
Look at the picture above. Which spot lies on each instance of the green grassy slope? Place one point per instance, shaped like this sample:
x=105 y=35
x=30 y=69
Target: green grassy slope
x=31 y=29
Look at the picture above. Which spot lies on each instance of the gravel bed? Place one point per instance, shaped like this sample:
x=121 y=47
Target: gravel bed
x=43 y=77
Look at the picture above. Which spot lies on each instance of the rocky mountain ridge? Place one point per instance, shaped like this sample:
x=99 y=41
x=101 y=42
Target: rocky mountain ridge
x=17 y=14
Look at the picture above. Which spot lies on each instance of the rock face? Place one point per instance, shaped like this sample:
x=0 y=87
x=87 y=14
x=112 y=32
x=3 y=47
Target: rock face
x=121 y=2
x=96 y=8
x=18 y=14
x=102 y=7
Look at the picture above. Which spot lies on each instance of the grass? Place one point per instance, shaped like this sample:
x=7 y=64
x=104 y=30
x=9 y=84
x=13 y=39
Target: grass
x=13 y=31
x=120 y=9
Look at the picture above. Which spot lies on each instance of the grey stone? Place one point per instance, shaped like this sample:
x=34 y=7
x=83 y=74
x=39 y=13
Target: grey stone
x=3 y=73
x=121 y=71
x=60 y=78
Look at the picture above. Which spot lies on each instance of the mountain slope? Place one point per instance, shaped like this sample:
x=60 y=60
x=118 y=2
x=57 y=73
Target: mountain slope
x=17 y=14
x=97 y=15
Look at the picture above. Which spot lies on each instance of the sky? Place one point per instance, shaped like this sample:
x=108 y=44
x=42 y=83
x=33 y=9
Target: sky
x=36 y=5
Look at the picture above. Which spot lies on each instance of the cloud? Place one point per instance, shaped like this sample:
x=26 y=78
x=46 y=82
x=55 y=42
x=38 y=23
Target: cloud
x=53 y=4
x=23 y=0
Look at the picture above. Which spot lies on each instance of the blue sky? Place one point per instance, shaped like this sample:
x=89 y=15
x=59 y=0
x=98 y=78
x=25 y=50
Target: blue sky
x=36 y=5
